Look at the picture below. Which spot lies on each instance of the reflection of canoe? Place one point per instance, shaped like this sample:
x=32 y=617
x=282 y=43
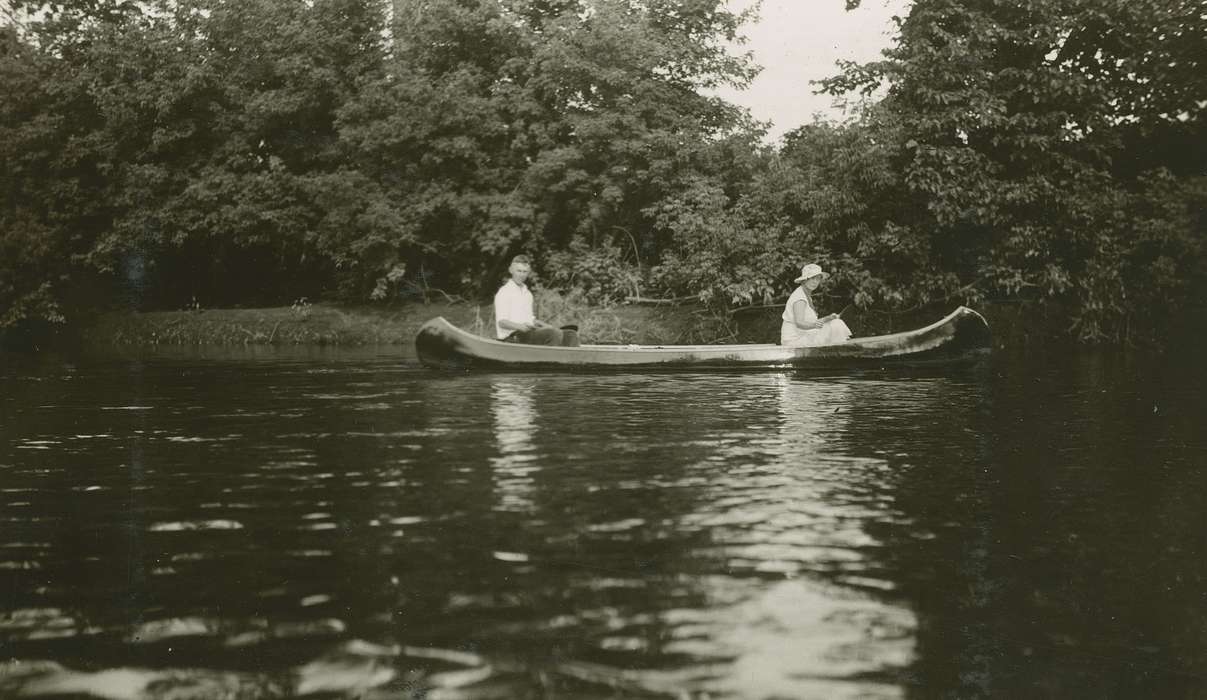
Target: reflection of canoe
x=962 y=334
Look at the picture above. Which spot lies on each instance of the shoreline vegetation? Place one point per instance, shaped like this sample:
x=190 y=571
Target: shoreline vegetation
x=242 y=155
x=331 y=325
x=353 y=326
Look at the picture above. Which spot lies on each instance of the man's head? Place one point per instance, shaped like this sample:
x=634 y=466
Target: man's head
x=520 y=268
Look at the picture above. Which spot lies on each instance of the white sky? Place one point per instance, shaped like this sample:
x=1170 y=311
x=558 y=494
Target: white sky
x=796 y=41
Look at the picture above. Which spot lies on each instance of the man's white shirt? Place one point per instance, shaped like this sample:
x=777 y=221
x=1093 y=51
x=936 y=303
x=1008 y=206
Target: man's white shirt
x=513 y=302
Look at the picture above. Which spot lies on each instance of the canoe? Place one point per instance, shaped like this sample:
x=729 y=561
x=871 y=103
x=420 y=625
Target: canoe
x=961 y=335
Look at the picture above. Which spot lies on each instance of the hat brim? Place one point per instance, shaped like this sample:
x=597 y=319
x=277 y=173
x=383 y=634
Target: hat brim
x=822 y=275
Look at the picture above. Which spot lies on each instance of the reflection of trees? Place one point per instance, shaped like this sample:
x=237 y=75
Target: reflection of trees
x=745 y=534
x=1047 y=551
x=926 y=432
x=797 y=594
x=1021 y=509
x=719 y=532
x=575 y=550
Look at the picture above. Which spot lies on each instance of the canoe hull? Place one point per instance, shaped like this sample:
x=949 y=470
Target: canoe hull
x=961 y=336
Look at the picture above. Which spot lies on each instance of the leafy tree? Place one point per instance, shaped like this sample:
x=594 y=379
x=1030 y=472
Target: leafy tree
x=547 y=127
x=1025 y=123
x=240 y=152
x=51 y=208
x=250 y=158
x=202 y=135
x=257 y=151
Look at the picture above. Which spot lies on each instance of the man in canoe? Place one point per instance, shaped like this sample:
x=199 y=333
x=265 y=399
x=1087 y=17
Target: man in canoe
x=515 y=321
x=801 y=327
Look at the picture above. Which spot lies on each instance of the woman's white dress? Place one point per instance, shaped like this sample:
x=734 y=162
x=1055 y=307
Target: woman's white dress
x=832 y=333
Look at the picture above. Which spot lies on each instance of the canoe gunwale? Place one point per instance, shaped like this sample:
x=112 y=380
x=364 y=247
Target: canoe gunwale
x=440 y=344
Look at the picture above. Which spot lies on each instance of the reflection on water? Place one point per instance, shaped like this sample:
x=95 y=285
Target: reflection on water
x=515 y=421
x=357 y=528
x=793 y=604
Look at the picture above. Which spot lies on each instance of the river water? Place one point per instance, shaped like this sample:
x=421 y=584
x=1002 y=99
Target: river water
x=351 y=525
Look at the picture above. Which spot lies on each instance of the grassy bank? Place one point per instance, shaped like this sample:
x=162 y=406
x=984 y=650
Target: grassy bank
x=322 y=324
x=310 y=325
x=353 y=326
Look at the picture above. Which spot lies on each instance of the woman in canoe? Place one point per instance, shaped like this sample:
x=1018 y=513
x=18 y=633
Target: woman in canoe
x=801 y=327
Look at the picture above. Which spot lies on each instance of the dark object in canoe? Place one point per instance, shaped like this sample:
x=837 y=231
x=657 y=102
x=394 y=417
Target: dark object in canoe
x=963 y=334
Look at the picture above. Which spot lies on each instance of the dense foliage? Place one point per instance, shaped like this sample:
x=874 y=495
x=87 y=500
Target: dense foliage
x=1059 y=148
x=214 y=152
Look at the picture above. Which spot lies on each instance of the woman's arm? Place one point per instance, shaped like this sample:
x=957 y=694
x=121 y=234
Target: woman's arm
x=804 y=317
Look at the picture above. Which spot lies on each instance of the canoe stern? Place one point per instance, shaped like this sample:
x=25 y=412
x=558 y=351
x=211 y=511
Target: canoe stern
x=439 y=346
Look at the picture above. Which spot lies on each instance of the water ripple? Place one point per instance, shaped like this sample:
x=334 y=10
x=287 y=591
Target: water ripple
x=362 y=530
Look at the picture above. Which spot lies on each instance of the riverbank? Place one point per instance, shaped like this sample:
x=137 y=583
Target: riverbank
x=351 y=326
x=361 y=326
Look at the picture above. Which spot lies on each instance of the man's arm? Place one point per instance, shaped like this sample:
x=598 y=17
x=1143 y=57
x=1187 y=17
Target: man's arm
x=503 y=307
x=516 y=326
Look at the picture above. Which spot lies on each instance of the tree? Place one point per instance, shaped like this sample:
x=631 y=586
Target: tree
x=50 y=205
x=547 y=127
x=242 y=152
x=1026 y=123
x=189 y=149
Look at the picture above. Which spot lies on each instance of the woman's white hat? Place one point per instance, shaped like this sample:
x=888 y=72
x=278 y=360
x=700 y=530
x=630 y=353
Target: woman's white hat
x=811 y=270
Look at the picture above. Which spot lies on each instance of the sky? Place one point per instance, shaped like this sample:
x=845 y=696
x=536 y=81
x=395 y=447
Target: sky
x=796 y=41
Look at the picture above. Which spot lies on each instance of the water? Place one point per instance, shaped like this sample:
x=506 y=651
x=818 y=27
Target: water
x=354 y=526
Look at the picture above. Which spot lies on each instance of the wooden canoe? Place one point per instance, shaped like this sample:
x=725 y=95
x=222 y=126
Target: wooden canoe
x=962 y=335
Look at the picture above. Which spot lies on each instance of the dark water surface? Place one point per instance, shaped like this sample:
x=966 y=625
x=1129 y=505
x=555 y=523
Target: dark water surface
x=354 y=526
